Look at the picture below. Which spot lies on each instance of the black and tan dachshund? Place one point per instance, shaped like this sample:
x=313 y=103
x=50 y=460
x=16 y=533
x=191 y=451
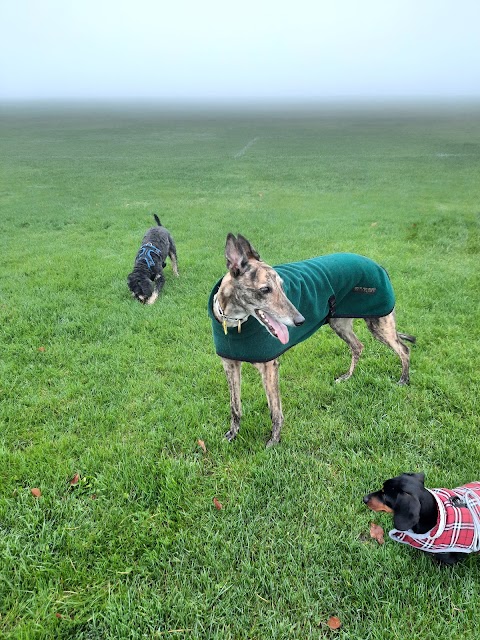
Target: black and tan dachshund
x=442 y=522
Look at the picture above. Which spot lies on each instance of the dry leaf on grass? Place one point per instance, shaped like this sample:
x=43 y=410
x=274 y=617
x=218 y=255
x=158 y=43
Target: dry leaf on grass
x=376 y=532
x=334 y=622
x=41 y=349
x=202 y=446
x=36 y=492
x=218 y=505
x=75 y=480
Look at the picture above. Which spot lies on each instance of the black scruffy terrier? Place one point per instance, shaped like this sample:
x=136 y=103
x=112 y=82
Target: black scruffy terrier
x=147 y=279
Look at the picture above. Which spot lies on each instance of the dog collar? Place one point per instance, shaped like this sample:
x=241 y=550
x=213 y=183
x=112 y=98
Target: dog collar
x=145 y=253
x=218 y=309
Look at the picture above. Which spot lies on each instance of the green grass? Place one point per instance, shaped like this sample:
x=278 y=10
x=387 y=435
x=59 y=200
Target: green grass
x=95 y=384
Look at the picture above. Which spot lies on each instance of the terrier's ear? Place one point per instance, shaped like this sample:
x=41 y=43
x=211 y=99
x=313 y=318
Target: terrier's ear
x=237 y=259
x=247 y=247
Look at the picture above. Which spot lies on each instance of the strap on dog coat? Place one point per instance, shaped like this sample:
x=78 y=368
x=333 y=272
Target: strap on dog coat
x=145 y=253
x=458 y=526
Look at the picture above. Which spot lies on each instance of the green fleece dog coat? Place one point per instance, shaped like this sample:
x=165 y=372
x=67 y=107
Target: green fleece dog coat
x=339 y=285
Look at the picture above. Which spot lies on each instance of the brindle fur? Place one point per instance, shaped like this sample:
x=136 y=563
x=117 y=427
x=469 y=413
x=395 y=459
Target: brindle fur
x=251 y=284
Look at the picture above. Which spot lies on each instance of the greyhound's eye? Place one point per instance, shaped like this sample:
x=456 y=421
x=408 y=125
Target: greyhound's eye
x=266 y=289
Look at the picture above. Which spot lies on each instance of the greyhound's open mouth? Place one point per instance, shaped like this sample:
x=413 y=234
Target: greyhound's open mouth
x=276 y=329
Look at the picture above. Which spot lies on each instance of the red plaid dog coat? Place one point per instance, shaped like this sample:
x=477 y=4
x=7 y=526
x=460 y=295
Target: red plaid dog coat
x=458 y=526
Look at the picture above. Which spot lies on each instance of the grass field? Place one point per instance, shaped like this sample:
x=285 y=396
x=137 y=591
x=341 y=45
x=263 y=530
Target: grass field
x=95 y=384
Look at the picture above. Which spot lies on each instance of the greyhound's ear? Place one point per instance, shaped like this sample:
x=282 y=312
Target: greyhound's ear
x=237 y=259
x=247 y=247
x=406 y=511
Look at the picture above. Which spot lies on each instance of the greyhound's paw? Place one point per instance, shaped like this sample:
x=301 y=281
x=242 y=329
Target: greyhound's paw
x=403 y=382
x=272 y=442
x=345 y=376
x=230 y=435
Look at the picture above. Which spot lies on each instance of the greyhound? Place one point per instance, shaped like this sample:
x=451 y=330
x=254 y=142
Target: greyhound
x=253 y=306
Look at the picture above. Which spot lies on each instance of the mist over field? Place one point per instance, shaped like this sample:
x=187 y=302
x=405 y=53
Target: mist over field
x=213 y=52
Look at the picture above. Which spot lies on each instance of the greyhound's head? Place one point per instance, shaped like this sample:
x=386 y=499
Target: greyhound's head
x=252 y=288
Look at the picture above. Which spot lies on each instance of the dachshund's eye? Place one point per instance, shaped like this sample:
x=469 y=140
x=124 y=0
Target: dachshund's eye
x=266 y=289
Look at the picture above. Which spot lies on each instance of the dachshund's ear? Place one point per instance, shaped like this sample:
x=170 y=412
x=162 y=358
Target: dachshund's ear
x=406 y=511
x=419 y=477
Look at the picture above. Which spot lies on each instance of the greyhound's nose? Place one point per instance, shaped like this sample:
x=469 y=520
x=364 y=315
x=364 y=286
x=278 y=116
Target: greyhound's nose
x=366 y=499
x=298 y=320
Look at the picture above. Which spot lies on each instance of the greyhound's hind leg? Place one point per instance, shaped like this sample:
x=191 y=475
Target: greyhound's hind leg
x=384 y=330
x=343 y=327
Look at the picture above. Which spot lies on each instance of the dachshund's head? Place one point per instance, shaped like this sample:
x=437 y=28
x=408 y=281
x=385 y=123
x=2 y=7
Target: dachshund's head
x=400 y=496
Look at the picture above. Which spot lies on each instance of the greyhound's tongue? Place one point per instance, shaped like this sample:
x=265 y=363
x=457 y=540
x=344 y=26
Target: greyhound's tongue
x=277 y=329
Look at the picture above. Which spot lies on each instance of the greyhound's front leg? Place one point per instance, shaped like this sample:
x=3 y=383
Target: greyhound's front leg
x=270 y=379
x=233 y=371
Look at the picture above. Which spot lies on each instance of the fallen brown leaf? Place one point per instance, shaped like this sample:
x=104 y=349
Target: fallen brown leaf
x=334 y=622
x=376 y=532
x=36 y=492
x=218 y=505
x=75 y=480
x=41 y=349
x=202 y=446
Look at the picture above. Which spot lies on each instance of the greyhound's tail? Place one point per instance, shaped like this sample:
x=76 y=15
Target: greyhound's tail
x=406 y=336
x=157 y=219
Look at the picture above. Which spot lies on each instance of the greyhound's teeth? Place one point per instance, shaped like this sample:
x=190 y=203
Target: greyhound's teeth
x=267 y=323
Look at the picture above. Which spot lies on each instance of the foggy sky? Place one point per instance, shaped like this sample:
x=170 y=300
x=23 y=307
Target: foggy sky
x=254 y=49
